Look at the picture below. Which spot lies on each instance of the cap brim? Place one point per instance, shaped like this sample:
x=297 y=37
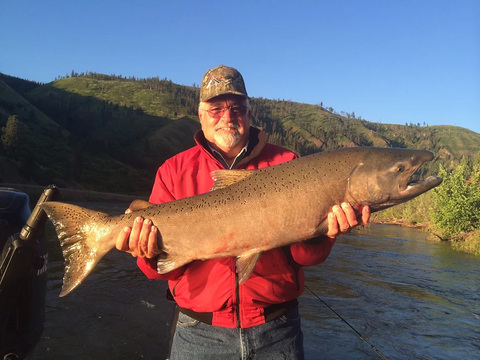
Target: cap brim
x=225 y=93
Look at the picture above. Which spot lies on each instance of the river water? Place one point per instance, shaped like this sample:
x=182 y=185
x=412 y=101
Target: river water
x=406 y=297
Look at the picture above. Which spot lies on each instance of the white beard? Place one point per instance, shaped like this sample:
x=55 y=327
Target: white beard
x=227 y=139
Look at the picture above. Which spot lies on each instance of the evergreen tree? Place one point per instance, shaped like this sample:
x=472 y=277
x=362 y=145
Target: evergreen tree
x=10 y=135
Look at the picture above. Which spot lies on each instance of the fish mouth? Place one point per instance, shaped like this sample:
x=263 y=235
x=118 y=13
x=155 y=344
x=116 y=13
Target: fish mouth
x=396 y=180
x=415 y=187
x=409 y=183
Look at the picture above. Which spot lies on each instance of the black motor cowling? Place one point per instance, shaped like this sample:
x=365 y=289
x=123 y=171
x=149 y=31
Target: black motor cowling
x=23 y=277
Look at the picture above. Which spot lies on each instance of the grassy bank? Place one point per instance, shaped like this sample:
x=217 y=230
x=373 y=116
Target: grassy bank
x=468 y=242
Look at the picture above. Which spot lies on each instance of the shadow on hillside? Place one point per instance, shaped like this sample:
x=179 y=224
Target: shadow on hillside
x=95 y=144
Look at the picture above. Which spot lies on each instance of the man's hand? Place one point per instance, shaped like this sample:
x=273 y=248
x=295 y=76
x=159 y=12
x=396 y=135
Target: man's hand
x=343 y=218
x=140 y=240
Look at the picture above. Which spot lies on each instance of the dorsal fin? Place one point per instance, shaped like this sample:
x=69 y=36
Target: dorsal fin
x=139 y=205
x=224 y=178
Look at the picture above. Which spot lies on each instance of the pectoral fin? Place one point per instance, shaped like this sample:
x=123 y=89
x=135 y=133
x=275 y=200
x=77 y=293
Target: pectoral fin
x=322 y=228
x=245 y=265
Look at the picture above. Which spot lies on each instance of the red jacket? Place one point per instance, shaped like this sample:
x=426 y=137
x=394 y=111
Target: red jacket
x=211 y=285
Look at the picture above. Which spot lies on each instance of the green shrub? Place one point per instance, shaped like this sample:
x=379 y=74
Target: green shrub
x=457 y=200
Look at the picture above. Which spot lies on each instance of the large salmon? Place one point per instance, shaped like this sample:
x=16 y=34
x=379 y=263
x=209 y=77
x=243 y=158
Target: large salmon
x=247 y=212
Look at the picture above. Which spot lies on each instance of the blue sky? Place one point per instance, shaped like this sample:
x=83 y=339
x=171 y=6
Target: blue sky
x=410 y=61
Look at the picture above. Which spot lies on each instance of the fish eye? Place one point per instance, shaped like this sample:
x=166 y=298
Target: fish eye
x=400 y=168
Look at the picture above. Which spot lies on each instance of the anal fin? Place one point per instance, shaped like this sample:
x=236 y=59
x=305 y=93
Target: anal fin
x=245 y=265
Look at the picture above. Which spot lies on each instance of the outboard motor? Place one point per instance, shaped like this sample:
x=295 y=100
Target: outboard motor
x=23 y=277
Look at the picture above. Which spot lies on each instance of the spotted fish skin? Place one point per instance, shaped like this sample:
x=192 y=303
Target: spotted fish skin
x=247 y=212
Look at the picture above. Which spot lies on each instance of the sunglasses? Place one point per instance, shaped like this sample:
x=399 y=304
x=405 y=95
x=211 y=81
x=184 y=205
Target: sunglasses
x=235 y=110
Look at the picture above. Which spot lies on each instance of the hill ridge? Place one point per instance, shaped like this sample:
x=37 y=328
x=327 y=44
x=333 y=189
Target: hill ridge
x=106 y=132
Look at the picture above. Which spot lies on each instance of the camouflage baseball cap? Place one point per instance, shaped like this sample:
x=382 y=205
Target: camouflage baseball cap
x=222 y=80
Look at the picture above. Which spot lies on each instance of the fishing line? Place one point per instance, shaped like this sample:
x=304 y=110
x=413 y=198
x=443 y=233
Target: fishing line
x=350 y=326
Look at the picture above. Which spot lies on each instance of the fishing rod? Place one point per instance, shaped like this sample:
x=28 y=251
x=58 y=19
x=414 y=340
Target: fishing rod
x=350 y=326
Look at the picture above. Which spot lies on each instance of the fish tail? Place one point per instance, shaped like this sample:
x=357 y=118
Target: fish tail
x=82 y=239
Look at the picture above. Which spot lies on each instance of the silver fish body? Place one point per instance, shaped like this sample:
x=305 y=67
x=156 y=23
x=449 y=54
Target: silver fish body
x=247 y=212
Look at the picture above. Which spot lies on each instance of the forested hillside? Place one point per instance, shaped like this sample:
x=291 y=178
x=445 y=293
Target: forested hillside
x=110 y=133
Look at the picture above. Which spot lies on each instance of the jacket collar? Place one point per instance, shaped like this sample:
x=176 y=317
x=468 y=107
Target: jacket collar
x=256 y=142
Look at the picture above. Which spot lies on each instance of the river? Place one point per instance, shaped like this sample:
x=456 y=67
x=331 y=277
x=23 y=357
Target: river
x=409 y=298
x=406 y=297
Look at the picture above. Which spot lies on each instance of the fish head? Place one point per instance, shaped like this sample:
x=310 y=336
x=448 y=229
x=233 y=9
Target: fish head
x=384 y=177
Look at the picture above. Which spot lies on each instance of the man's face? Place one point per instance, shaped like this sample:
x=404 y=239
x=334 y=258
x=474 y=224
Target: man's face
x=225 y=122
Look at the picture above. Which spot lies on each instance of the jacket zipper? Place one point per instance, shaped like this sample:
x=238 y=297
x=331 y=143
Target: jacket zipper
x=237 y=295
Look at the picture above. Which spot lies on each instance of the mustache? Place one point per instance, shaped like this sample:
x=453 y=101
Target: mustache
x=230 y=126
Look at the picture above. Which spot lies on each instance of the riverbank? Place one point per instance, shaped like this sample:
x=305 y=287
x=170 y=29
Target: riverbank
x=468 y=242
x=400 y=222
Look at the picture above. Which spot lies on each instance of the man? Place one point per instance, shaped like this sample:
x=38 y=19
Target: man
x=219 y=318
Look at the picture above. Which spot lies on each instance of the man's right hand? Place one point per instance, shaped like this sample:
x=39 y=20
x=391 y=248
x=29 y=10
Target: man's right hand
x=140 y=240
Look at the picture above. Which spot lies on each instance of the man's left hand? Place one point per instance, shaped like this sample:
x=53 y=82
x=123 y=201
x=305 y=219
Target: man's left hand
x=343 y=218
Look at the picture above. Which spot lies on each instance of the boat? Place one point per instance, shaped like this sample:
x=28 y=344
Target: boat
x=23 y=271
